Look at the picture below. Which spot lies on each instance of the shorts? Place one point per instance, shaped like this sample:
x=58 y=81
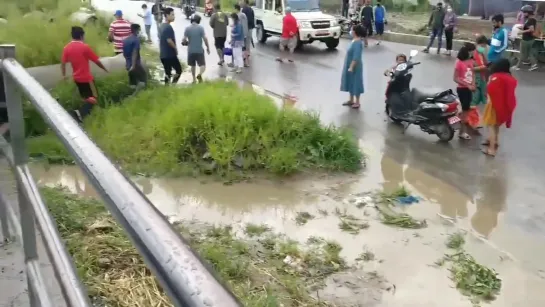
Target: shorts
x=87 y=91
x=172 y=63
x=466 y=96
x=290 y=42
x=379 y=28
x=138 y=75
x=196 y=59
x=219 y=42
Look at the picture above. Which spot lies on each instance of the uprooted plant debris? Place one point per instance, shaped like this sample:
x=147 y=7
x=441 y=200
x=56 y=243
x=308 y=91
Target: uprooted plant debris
x=389 y=216
x=265 y=269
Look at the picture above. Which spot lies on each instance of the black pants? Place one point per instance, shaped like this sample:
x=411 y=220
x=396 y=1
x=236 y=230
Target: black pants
x=466 y=96
x=169 y=64
x=449 y=35
x=345 y=9
x=88 y=92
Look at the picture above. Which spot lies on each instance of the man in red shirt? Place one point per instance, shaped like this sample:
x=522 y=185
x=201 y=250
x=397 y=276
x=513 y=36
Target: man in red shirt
x=120 y=29
x=289 y=35
x=78 y=54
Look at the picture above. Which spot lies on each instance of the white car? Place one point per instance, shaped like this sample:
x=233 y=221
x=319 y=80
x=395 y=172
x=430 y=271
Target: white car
x=313 y=24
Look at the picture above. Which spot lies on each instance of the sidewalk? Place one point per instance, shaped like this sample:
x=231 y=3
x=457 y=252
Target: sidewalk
x=13 y=283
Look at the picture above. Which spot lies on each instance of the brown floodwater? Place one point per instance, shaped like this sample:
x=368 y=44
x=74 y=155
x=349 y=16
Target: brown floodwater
x=405 y=258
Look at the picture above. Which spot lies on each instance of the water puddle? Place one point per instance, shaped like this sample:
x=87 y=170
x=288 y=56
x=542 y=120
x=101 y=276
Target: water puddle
x=404 y=257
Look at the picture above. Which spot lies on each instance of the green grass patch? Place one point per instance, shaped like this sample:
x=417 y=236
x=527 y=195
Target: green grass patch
x=214 y=127
x=112 y=88
x=266 y=271
x=41 y=28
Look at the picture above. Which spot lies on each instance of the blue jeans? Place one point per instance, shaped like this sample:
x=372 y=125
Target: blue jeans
x=436 y=33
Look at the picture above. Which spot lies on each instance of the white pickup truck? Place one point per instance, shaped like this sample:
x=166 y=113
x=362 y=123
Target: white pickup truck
x=313 y=24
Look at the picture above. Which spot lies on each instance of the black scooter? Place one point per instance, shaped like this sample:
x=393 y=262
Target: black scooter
x=435 y=113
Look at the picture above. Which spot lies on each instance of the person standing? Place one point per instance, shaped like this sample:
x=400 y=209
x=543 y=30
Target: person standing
x=464 y=77
x=250 y=16
x=344 y=9
x=219 y=23
x=79 y=54
x=168 y=51
x=119 y=30
x=450 y=22
x=367 y=20
x=194 y=37
x=501 y=104
x=481 y=71
x=237 y=42
x=288 y=39
x=148 y=21
x=352 y=76
x=380 y=20
x=436 y=26
x=131 y=51
x=527 y=51
x=499 y=41
x=243 y=20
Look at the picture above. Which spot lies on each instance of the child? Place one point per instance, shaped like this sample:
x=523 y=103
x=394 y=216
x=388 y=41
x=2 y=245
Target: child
x=465 y=80
x=481 y=70
x=400 y=58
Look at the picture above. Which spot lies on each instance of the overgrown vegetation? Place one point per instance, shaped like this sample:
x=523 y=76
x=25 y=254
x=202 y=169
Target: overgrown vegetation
x=113 y=88
x=471 y=278
x=267 y=270
x=41 y=28
x=214 y=127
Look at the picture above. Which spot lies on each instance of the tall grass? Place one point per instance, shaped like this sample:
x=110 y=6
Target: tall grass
x=213 y=127
x=41 y=36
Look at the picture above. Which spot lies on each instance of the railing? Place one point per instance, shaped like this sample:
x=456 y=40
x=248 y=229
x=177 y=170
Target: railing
x=180 y=271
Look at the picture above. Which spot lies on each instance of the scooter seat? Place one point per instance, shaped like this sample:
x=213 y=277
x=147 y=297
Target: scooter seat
x=420 y=96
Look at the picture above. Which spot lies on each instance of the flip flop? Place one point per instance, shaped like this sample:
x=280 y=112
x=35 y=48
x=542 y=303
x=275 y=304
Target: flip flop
x=348 y=103
x=487 y=143
x=488 y=153
x=464 y=136
x=355 y=106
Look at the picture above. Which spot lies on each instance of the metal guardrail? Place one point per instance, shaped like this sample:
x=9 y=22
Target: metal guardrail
x=183 y=275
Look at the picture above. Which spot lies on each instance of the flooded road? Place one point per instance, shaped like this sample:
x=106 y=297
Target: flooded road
x=499 y=201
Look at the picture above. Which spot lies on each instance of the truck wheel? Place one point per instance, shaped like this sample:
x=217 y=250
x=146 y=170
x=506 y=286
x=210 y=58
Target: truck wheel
x=260 y=33
x=332 y=43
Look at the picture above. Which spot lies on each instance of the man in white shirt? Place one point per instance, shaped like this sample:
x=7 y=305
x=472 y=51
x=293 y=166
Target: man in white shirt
x=148 y=20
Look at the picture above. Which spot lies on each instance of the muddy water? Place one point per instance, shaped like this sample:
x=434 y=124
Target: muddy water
x=404 y=257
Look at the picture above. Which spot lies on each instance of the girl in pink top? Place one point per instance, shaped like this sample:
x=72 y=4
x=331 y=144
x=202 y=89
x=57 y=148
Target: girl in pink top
x=464 y=76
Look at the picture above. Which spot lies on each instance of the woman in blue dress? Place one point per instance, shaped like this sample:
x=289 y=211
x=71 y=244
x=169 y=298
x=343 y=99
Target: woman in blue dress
x=352 y=77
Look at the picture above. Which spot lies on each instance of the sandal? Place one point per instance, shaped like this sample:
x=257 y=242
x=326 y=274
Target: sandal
x=487 y=152
x=487 y=143
x=355 y=106
x=348 y=103
x=464 y=136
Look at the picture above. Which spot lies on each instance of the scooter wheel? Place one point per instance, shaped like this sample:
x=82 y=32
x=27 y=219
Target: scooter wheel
x=390 y=115
x=445 y=132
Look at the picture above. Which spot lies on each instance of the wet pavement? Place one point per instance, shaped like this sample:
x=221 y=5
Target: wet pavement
x=497 y=199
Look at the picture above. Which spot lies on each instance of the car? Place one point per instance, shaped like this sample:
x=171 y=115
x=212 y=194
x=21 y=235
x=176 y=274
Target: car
x=314 y=25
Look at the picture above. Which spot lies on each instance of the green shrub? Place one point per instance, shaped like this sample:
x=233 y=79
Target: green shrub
x=111 y=88
x=40 y=42
x=212 y=127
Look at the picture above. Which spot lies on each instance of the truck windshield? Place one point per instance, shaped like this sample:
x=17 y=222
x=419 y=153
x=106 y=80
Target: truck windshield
x=303 y=5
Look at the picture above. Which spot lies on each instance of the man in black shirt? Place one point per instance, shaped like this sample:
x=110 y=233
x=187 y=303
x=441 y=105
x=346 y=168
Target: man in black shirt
x=367 y=20
x=249 y=12
x=527 y=51
x=345 y=8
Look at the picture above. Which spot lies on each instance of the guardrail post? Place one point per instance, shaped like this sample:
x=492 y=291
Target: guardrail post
x=6 y=236
x=17 y=139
